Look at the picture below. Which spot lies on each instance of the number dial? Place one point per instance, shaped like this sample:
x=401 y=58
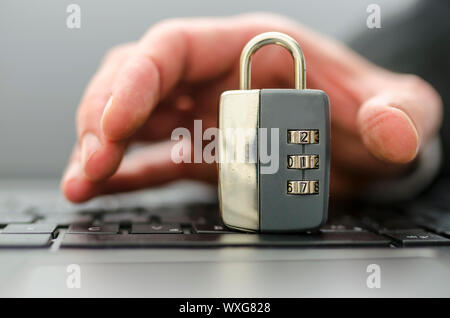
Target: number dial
x=303 y=137
x=303 y=162
x=303 y=187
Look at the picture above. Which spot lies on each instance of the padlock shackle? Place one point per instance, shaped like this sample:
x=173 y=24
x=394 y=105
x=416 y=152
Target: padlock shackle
x=272 y=38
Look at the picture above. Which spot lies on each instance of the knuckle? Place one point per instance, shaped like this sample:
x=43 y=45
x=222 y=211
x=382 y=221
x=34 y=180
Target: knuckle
x=168 y=26
x=417 y=85
x=118 y=51
x=174 y=30
x=264 y=15
x=269 y=19
x=414 y=83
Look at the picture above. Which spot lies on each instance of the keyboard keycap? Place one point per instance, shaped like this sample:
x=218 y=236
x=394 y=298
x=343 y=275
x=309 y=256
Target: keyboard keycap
x=342 y=239
x=437 y=223
x=155 y=229
x=393 y=224
x=6 y=218
x=93 y=229
x=179 y=219
x=417 y=238
x=66 y=219
x=29 y=229
x=208 y=229
x=339 y=228
x=25 y=240
x=125 y=218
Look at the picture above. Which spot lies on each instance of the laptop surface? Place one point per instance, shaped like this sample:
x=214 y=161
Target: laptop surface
x=170 y=242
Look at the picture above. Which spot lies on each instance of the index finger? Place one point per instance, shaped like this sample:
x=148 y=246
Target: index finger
x=193 y=50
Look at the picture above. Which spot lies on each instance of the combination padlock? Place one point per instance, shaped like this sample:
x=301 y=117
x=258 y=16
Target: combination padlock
x=292 y=124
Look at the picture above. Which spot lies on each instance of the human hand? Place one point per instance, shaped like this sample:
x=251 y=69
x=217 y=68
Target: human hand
x=178 y=70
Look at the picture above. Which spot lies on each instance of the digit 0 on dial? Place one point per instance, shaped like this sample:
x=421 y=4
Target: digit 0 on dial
x=303 y=137
x=303 y=187
x=303 y=162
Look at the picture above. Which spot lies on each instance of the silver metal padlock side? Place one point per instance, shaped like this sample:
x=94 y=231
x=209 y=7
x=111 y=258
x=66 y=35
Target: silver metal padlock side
x=238 y=179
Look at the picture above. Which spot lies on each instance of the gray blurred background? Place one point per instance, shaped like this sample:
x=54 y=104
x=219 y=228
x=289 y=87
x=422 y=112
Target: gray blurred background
x=44 y=66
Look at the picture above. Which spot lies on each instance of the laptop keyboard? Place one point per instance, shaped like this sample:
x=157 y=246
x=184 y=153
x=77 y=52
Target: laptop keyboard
x=199 y=225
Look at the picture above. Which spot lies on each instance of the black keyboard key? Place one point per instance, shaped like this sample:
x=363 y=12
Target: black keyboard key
x=35 y=228
x=342 y=239
x=439 y=223
x=393 y=224
x=182 y=219
x=93 y=229
x=438 y=228
x=211 y=229
x=340 y=228
x=155 y=229
x=417 y=238
x=125 y=218
x=66 y=219
x=6 y=218
x=25 y=240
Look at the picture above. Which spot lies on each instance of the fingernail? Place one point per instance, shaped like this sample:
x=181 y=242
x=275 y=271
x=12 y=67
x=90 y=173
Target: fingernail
x=106 y=110
x=107 y=106
x=89 y=145
x=73 y=171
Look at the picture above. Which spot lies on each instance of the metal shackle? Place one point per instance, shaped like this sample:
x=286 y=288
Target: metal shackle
x=272 y=38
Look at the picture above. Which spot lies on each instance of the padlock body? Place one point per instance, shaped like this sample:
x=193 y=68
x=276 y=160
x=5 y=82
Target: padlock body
x=293 y=111
x=253 y=196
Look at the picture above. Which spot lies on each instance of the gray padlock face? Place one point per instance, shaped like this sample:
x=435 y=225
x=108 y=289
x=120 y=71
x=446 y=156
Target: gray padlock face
x=254 y=195
x=296 y=197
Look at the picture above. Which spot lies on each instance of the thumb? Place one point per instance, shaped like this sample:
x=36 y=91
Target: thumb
x=396 y=121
